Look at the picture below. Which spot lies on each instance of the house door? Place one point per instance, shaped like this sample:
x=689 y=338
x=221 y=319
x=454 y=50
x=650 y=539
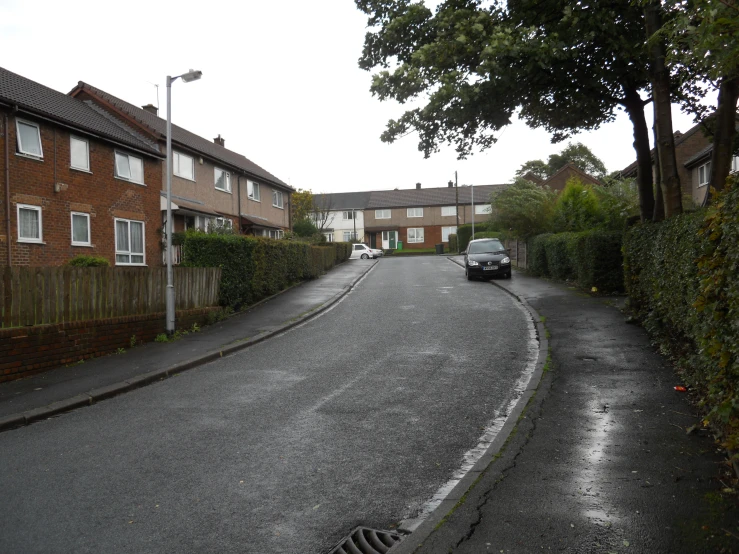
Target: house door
x=389 y=240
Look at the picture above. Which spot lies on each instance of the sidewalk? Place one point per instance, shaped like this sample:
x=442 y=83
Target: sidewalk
x=600 y=461
x=65 y=388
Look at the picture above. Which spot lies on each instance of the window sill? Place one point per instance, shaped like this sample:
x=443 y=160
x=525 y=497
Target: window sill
x=130 y=265
x=80 y=170
x=703 y=185
x=83 y=245
x=30 y=156
x=183 y=177
x=223 y=190
x=278 y=207
x=27 y=241
x=128 y=181
x=253 y=199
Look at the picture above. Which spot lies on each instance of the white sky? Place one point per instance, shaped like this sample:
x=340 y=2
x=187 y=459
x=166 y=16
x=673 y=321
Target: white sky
x=280 y=84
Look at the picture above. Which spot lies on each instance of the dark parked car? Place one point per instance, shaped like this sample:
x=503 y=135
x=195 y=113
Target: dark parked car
x=486 y=258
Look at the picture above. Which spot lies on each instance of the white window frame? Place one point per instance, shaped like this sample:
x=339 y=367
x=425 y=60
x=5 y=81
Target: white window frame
x=87 y=154
x=253 y=192
x=349 y=215
x=176 y=159
x=414 y=212
x=416 y=238
x=19 y=141
x=276 y=234
x=276 y=194
x=483 y=209
x=228 y=179
x=448 y=211
x=129 y=156
x=734 y=164
x=224 y=222
x=38 y=209
x=383 y=214
x=451 y=230
x=349 y=236
x=128 y=252
x=89 y=234
x=704 y=174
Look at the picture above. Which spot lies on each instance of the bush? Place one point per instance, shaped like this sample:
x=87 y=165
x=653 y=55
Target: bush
x=464 y=232
x=537 y=255
x=88 y=261
x=453 y=243
x=682 y=283
x=304 y=228
x=576 y=208
x=561 y=256
x=254 y=268
x=523 y=207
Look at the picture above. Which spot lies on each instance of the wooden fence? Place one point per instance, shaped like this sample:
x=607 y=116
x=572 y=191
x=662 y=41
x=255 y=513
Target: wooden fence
x=41 y=295
x=518 y=253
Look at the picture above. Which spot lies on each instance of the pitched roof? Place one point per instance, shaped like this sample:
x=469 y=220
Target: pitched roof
x=571 y=169
x=342 y=200
x=630 y=170
x=158 y=127
x=34 y=98
x=441 y=196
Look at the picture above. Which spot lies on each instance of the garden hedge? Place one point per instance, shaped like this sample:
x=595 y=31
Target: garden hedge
x=254 y=268
x=682 y=277
x=464 y=232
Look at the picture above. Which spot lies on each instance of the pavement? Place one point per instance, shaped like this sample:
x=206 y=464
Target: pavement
x=603 y=457
x=70 y=387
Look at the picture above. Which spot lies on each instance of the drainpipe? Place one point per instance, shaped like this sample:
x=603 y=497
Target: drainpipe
x=238 y=198
x=7 y=184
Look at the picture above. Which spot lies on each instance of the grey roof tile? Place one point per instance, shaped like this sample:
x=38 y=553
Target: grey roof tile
x=442 y=196
x=35 y=98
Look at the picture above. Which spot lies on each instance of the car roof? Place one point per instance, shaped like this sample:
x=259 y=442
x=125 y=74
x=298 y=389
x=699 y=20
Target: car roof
x=486 y=238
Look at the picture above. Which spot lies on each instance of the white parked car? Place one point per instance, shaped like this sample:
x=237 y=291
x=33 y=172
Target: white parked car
x=364 y=252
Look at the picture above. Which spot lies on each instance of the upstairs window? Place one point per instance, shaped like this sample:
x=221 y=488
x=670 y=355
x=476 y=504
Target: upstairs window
x=382 y=214
x=129 y=168
x=448 y=211
x=704 y=174
x=415 y=212
x=252 y=191
x=277 y=199
x=183 y=166
x=483 y=209
x=349 y=214
x=79 y=154
x=223 y=180
x=735 y=164
x=29 y=139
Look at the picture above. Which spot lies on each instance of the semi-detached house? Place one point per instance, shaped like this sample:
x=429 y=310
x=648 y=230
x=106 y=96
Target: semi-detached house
x=75 y=181
x=211 y=185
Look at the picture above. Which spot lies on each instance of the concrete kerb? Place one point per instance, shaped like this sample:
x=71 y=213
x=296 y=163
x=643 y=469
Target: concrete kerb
x=94 y=396
x=416 y=539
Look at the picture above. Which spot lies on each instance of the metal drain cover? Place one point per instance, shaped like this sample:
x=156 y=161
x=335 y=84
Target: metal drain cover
x=367 y=541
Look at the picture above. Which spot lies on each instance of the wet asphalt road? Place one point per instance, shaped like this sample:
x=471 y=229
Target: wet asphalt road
x=355 y=418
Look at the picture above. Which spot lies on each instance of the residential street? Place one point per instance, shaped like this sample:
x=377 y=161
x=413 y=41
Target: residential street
x=356 y=417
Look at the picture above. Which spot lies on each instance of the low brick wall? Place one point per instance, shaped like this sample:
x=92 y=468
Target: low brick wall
x=28 y=350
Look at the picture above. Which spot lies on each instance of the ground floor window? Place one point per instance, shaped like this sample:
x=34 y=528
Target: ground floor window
x=80 y=229
x=446 y=231
x=276 y=233
x=29 y=223
x=329 y=237
x=349 y=236
x=129 y=242
x=415 y=234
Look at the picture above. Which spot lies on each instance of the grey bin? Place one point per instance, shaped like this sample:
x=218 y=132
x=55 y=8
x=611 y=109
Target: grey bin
x=440 y=248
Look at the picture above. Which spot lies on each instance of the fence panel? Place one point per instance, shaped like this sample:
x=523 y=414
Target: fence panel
x=42 y=295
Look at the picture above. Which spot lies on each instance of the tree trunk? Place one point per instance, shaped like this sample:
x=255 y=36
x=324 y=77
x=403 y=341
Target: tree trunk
x=660 y=77
x=659 y=204
x=723 y=138
x=635 y=108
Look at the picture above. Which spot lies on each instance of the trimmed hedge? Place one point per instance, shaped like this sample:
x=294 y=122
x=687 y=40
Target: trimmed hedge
x=683 y=283
x=464 y=232
x=591 y=258
x=255 y=268
x=453 y=243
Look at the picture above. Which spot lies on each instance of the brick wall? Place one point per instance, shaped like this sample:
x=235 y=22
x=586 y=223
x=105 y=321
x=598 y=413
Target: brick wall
x=97 y=193
x=28 y=350
x=431 y=237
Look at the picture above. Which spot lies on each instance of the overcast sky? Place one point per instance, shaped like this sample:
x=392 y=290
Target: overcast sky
x=280 y=83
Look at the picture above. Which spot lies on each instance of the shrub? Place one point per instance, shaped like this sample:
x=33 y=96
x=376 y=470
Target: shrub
x=537 y=255
x=576 y=208
x=453 y=243
x=304 y=228
x=560 y=251
x=88 y=261
x=523 y=207
x=682 y=283
x=464 y=232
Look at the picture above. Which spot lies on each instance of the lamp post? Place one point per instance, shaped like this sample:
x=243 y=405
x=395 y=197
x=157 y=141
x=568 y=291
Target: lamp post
x=188 y=77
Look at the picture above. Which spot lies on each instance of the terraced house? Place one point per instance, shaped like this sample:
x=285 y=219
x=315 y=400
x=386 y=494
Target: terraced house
x=211 y=185
x=74 y=181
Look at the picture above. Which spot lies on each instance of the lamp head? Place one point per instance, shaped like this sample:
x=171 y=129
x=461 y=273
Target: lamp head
x=191 y=75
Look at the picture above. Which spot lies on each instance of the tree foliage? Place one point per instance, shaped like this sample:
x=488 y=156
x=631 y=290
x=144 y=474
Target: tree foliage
x=577 y=154
x=523 y=207
x=301 y=202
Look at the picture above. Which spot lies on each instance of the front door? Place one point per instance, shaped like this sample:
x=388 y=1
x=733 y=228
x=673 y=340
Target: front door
x=389 y=240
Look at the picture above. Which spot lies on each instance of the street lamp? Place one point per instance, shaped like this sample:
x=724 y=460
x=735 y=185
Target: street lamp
x=188 y=77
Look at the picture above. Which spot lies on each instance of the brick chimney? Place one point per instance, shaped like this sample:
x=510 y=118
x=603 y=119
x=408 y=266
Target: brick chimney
x=450 y=184
x=418 y=186
x=219 y=141
x=151 y=108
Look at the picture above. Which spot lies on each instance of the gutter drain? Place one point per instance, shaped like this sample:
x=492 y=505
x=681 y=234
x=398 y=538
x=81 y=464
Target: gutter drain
x=367 y=541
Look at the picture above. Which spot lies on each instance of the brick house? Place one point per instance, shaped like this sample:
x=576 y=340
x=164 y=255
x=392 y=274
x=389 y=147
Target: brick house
x=419 y=218
x=687 y=146
x=210 y=184
x=75 y=181
x=558 y=181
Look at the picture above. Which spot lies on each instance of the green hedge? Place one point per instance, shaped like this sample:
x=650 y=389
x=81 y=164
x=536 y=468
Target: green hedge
x=464 y=232
x=591 y=258
x=683 y=284
x=254 y=268
x=453 y=243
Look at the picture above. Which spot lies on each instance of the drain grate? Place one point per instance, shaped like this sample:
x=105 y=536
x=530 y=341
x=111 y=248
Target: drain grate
x=367 y=541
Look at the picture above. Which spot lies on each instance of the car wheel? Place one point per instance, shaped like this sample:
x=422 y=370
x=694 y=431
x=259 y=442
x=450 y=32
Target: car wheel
x=365 y=256
x=508 y=275
x=469 y=277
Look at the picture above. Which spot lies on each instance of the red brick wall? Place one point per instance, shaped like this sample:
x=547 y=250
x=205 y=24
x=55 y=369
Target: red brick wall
x=431 y=237
x=98 y=193
x=28 y=350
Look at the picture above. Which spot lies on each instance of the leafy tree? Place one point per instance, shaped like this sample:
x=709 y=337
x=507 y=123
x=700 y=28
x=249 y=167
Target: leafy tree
x=576 y=208
x=523 y=207
x=577 y=154
x=301 y=202
x=304 y=227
